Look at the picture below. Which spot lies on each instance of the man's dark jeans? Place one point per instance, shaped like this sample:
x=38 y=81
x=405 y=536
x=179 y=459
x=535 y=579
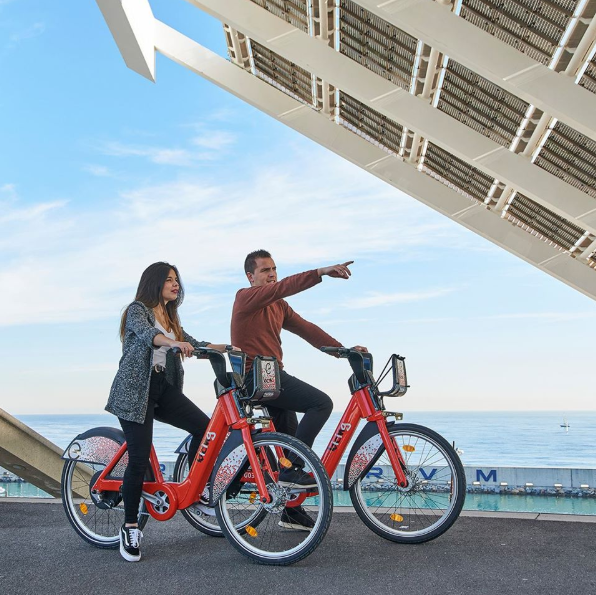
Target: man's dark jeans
x=297 y=395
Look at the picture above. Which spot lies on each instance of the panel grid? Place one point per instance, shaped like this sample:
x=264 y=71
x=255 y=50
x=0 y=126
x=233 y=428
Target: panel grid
x=294 y=12
x=588 y=80
x=457 y=172
x=534 y=27
x=376 y=44
x=480 y=104
x=570 y=156
x=283 y=73
x=370 y=123
x=548 y=224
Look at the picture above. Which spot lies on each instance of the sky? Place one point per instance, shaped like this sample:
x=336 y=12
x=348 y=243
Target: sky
x=103 y=172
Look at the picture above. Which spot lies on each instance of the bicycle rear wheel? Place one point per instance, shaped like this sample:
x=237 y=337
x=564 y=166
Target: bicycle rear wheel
x=433 y=499
x=260 y=531
x=97 y=518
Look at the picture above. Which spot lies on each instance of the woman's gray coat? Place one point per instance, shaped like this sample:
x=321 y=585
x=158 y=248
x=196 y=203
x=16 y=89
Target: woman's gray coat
x=129 y=394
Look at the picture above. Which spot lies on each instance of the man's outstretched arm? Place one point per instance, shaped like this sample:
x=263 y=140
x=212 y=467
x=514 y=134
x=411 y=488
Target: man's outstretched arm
x=310 y=332
x=252 y=299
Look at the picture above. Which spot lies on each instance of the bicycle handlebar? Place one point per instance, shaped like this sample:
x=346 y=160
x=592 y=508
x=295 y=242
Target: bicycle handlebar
x=342 y=351
x=359 y=360
x=217 y=360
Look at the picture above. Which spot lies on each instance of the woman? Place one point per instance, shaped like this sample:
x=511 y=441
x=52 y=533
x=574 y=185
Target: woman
x=148 y=385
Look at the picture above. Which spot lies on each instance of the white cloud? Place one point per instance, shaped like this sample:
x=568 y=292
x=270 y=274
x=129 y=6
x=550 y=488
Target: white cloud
x=209 y=145
x=8 y=192
x=217 y=140
x=376 y=299
x=164 y=156
x=68 y=266
x=546 y=316
x=32 y=213
x=34 y=30
x=101 y=171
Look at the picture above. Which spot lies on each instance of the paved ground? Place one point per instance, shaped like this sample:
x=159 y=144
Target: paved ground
x=481 y=555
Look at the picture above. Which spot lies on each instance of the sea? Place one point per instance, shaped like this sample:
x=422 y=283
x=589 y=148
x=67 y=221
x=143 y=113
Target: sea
x=491 y=438
x=519 y=439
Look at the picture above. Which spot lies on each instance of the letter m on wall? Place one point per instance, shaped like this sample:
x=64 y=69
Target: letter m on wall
x=492 y=475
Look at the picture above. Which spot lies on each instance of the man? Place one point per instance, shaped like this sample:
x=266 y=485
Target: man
x=259 y=314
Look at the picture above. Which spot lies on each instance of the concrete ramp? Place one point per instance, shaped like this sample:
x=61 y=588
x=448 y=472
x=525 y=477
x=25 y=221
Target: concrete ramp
x=29 y=455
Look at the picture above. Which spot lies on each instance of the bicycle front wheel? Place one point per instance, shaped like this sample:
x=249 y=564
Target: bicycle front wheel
x=97 y=518
x=431 y=502
x=279 y=532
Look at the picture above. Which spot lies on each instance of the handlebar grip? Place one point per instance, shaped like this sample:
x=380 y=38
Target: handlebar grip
x=341 y=351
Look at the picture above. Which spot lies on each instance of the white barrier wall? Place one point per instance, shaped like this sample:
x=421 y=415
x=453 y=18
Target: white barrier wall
x=493 y=477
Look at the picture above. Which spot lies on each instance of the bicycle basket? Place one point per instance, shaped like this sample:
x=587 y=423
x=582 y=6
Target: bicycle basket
x=396 y=365
x=263 y=378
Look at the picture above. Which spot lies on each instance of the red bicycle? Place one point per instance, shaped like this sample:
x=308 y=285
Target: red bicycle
x=237 y=462
x=406 y=482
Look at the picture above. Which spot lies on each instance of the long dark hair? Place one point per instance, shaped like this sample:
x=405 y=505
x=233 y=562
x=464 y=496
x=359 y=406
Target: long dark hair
x=149 y=292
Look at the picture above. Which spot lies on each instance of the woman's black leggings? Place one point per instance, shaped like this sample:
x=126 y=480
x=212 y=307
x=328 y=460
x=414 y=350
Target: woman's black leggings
x=167 y=404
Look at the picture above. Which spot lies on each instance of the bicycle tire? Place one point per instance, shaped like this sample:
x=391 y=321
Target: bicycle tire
x=96 y=525
x=429 y=505
x=268 y=542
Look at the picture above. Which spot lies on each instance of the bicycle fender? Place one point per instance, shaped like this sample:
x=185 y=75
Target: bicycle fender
x=183 y=448
x=364 y=453
x=185 y=444
x=231 y=462
x=97 y=445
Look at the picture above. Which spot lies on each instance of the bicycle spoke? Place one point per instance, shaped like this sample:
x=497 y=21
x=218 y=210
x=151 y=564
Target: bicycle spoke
x=421 y=510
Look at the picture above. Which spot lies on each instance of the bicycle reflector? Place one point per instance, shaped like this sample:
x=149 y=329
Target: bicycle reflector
x=83 y=508
x=251 y=531
x=397 y=518
x=285 y=462
x=409 y=448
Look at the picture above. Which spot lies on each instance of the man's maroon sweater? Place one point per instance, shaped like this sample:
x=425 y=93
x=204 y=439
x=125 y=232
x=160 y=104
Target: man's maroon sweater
x=260 y=313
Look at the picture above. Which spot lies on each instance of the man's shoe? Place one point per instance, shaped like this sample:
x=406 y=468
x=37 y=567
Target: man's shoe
x=130 y=543
x=202 y=504
x=296 y=477
x=296 y=518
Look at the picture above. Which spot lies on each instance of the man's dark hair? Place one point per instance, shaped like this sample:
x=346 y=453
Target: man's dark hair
x=250 y=264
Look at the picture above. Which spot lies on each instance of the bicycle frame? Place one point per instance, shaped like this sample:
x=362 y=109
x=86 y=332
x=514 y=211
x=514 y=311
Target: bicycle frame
x=361 y=407
x=175 y=496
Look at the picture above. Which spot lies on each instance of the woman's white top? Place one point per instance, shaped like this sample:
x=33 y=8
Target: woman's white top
x=159 y=355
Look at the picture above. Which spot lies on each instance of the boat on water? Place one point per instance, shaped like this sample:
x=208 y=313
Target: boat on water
x=565 y=425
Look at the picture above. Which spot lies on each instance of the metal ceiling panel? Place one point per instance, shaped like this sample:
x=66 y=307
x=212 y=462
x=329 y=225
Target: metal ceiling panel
x=458 y=173
x=554 y=228
x=588 y=79
x=480 y=104
x=369 y=123
x=570 y=156
x=294 y=12
x=282 y=73
x=534 y=27
x=376 y=44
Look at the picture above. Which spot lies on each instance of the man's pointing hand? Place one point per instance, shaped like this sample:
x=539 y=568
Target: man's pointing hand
x=338 y=271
